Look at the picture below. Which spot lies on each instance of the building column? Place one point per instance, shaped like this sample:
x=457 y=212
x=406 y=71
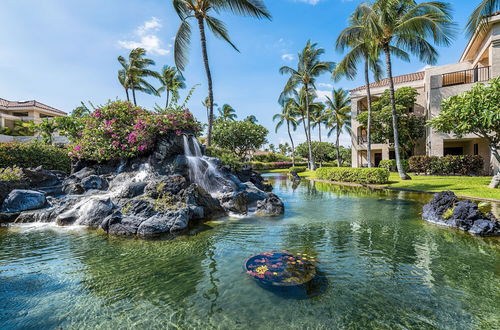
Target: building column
x=385 y=152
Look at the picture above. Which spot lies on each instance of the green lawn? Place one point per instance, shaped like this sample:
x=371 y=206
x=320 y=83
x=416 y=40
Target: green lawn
x=460 y=185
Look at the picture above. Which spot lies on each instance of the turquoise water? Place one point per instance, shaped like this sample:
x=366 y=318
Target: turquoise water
x=385 y=268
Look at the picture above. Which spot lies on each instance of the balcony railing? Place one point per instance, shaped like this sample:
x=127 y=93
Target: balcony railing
x=466 y=76
x=362 y=139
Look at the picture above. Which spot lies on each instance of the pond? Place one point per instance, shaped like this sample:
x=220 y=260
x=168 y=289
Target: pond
x=385 y=268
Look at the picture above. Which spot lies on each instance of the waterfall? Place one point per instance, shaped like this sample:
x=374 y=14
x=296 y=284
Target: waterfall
x=202 y=171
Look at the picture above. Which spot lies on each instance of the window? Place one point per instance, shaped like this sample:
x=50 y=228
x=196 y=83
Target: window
x=45 y=116
x=476 y=149
x=20 y=114
x=454 y=151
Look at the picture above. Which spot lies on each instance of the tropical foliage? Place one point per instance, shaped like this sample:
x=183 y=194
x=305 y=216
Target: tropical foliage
x=338 y=116
x=34 y=154
x=355 y=175
x=171 y=82
x=240 y=137
x=227 y=112
x=479 y=17
x=121 y=130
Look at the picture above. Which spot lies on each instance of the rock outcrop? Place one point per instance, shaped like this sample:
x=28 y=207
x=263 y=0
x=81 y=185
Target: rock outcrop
x=147 y=196
x=445 y=209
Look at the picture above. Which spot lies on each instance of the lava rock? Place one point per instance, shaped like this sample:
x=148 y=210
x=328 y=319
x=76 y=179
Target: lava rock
x=83 y=173
x=464 y=214
x=235 y=202
x=94 y=182
x=165 y=223
x=8 y=217
x=195 y=195
x=271 y=206
x=253 y=193
x=23 y=200
x=440 y=203
x=171 y=184
x=133 y=189
x=483 y=227
x=6 y=187
x=127 y=225
x=95 y=211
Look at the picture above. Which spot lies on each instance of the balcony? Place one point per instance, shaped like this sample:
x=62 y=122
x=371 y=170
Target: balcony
x=362 y=139
x=466 y=76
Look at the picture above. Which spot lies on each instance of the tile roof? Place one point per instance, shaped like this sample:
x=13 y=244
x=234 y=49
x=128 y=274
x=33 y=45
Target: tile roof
x=397 y=80
x=13 y=105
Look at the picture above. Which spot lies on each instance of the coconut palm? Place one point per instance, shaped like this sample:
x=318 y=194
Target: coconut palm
x=362 y=48
x=309 y=68
x=171 y=81
x=201 y=11
x=227 y=112
x=479 y=16
x=339 y=116
x=318 y=118
x=135 y=71
x=251 y=119
x=287 y=116
x=400 y=27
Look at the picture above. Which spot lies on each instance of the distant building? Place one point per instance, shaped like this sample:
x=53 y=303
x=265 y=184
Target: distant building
x=12 y=111
x=480 y=62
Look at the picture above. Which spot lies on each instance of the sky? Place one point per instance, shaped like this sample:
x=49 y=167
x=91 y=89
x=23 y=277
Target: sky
x=62 y=52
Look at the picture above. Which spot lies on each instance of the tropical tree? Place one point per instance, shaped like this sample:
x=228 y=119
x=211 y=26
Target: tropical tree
x=134 y=72
x=362 y=48
x=339 y=116
x=309 y=68
x=318 y=118
x=201 y=11
x=206 y=103
x=252 y=119
x=479 y=16
x=240 y=137
x=227 y=112
x=287 y=116
x=171 y=81
x=400 y=27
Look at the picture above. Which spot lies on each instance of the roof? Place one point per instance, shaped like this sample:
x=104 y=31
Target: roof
x=15 y=105
x=397 y=80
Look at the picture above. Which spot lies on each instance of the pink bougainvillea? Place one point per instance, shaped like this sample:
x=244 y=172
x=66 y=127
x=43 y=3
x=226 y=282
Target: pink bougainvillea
x=120 y=130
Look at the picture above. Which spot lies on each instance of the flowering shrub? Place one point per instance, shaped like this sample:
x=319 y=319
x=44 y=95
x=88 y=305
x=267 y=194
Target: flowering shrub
x=11 y=174
x=34 y=154
x=120 y=130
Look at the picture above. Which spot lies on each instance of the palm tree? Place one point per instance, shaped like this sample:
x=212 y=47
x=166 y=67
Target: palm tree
x=251 y=119
x=227 y=112
x=134 y=71
x=479 y=16
x=362 y=49
x=318 y=118
x=402 y=26
x=309 y=68
x=171 y=81
x=339 y=116
x=201 y=11
x=289 y=116
x=206 y=103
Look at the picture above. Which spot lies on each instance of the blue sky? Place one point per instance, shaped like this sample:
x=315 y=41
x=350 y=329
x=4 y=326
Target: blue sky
x=62 y=52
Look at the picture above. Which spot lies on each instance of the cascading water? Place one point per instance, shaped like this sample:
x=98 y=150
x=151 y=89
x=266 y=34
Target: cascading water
x=201 y=170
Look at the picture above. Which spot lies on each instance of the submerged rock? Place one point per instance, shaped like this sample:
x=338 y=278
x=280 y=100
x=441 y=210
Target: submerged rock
x=271 y=206
x=445 y=209
x=23 y=200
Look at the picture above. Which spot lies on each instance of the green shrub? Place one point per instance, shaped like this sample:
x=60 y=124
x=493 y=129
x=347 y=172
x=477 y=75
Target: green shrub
x=447 y=165
x=356 y=175
x=226 y=156
x=13 y=173
x=390 y=165
x=261 y=166
x=271 y=158
x=33 y=155
x=297 y=169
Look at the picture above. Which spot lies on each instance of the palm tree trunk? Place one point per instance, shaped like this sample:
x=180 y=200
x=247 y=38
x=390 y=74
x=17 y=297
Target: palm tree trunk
x=319 y=129
x=369 y=99
x=168 y=96
x=338 y=146
x=126 y=92
x=312 y=165
x=133 y=95
x=201 y=26
x=401 y=171
x=291 y=140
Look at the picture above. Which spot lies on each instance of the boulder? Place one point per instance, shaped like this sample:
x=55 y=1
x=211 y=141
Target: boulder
x=440 y=203
x=7 y=186
x=83 y=173
x=22 y=200
x=464 y=214
x=253 y=193
x=39 y=177
x=235 y=202
x=171 y=184
x=94 y=212
x=484 y=227
x=94 y=182
x=133 y=189
x=165 y=223
x=126 y=225
x=196 y=196
x=271 y=206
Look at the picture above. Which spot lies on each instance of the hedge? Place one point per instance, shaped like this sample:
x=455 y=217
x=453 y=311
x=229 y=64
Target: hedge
x=33 y=155
x=297 y=169
x=271 y=158
x=390 y=165
x=274 y=165
x=227 y=157
x=447 y=165
x=356 y=175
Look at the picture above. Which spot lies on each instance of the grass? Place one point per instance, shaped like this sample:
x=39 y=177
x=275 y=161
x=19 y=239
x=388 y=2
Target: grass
x=460 y=185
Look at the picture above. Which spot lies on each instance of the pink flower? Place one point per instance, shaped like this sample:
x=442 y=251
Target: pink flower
x=77 y=148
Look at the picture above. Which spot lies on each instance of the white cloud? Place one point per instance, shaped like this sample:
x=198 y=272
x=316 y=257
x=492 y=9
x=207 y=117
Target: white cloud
x=147 y=38
x=325 y=85
x=323 y=94
x=311 y=2
x=287 y=57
